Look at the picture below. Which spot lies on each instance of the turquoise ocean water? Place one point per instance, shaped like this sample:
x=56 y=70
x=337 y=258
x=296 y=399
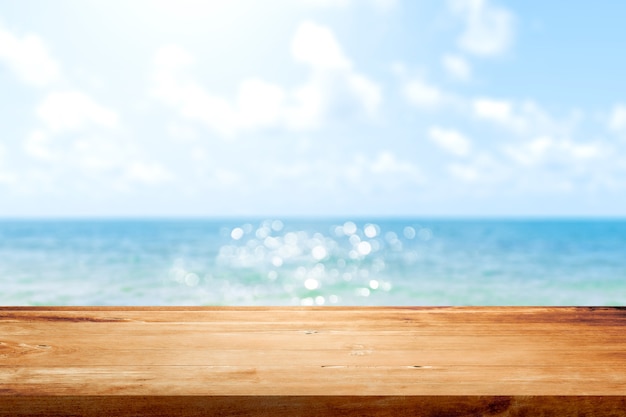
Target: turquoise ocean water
x=313 y=262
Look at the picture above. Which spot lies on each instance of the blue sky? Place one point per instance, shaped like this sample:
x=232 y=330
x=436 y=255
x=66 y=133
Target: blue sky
x=312 y=107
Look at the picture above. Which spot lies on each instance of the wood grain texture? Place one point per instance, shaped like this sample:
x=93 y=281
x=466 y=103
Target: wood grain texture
x=134 y=361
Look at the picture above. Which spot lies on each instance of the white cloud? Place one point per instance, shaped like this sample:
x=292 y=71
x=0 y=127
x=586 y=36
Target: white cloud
x=99 y=155
x=73 y=136
x=215 y=112
x=150 y=173
x=28 y=58
x=532 y=152
x=366 y=90
x=581 y=151
x=181 y=132
x=617 y=119
x=543 y=149
x=308 y=112
x=115 y=163
x=172 y=86
x=73 y=110
x=91 y=157
x=226 y=178
x=550 y=163
x=171 y=58
x=489 y=29
x=326 y=3
x=8 y=178
x=259 y=104
x=316 y=45
x=333 y=76
x=382 y=5
x=398 y=68
x=481 y=169
x=189 y=9
x=385 y=168
x=524 y=117
x=422 y=94
x=464 y=172
x=500 y=111
x=5 y=176
x=457 y=67
x=387 y=163
x=359 y=173
x=450 y=140
x=37 y=146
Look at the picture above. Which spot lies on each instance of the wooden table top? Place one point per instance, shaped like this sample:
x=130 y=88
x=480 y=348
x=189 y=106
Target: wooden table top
x=501 y=354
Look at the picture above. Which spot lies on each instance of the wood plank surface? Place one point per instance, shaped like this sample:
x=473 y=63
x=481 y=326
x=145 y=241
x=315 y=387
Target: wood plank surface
x=279 y=361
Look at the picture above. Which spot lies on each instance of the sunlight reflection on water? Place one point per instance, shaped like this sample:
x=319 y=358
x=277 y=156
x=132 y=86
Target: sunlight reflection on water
x=312 y=262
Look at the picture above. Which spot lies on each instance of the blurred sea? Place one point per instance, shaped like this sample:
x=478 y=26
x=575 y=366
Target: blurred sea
x=313 y=262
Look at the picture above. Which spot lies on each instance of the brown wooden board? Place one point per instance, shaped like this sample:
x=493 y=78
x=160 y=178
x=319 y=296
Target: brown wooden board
x=279 y=361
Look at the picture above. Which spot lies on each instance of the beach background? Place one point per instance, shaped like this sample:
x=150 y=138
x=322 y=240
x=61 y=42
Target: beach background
x=313 y=262
x=312 y=152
